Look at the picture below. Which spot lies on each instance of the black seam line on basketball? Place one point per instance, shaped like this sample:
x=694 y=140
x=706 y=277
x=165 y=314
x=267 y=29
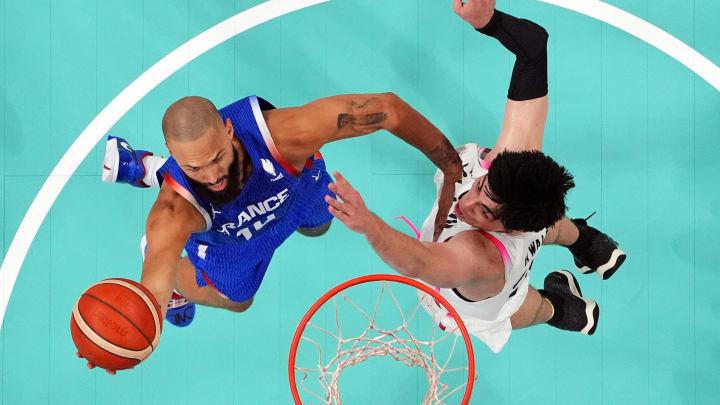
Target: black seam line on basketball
x=107 y=351
x=128 y=319
x=100 y=347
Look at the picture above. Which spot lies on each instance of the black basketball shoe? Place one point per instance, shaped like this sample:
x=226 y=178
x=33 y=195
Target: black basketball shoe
x=572 y=311
x=600 y=254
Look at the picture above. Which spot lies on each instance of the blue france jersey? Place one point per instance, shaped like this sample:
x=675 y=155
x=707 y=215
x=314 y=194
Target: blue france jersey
x=241 y=236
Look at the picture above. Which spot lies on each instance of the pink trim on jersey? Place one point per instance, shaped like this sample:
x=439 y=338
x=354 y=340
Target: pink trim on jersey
x=184 y=193
x=407 y=221
x=484 y=163
x=499 y=245
x=269 y=143
x=447 y=314
x=281 y=160
x=276 y=155
x=207 y=280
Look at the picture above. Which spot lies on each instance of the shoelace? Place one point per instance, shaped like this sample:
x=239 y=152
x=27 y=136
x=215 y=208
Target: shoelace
x=177 y=302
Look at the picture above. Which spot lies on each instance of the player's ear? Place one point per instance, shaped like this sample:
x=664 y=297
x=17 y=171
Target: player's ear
x=229 y=127
x=168 y=148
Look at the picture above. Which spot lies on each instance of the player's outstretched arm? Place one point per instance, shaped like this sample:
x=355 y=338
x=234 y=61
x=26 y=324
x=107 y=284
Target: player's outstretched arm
x=469 y=258
x=299 y=132
x=527 y=105
x=170 y=223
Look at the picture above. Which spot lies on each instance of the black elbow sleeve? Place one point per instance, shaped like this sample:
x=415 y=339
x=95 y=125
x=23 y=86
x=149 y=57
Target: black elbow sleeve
x=528 y=41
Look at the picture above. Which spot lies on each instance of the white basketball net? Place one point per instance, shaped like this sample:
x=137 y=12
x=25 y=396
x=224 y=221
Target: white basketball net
x=399 y=343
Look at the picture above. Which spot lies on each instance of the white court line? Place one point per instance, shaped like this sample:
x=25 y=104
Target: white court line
x=649 y=33
x=124 y=101
x=266 y=11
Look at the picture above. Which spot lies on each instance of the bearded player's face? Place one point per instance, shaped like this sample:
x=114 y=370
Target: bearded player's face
x=215 y=164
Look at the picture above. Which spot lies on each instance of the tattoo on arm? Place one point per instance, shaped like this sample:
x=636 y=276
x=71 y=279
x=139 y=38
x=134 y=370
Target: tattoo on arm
x=444 y=155
x=364 y=119
x=361 y=118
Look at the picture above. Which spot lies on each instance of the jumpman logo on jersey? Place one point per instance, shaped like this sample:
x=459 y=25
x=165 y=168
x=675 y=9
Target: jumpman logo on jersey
x=316 y=177
x=227 y=226
x=214 y=211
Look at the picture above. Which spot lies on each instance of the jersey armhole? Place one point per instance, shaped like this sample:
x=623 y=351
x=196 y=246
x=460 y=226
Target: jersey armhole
x=503 y=251
x=484 y=163
x=269 y=143
x=186 y=194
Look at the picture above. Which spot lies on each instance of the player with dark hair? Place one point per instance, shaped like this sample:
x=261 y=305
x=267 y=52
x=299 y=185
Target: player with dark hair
x=509 y=202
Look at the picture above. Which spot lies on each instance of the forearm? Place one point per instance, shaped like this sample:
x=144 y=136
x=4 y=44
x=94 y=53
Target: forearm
x=413 y=128
x=406 y=255
x=158 y=277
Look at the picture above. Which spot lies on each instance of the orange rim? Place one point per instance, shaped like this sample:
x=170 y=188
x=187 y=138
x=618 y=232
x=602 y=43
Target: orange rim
x=367 y=279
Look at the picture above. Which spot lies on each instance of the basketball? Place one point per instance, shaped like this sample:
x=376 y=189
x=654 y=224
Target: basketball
x=115 y=324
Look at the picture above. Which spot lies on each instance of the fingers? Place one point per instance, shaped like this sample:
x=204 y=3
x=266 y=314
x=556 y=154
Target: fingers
x=92 y=366
x=334 y=203
x=339 y=177
x=340 y=215
x=438 y=229
x=89 y=364
x=341 y=187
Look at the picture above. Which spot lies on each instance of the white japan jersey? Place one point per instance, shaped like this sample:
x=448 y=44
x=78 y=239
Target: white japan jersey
x=488 y=319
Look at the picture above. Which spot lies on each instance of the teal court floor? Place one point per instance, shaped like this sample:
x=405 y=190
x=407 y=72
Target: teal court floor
x=640 y=132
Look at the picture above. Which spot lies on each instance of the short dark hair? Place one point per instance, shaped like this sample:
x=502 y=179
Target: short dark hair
x=188 y=118
x=530 y=188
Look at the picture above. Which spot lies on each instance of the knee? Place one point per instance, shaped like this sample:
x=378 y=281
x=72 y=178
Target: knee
x=240 y=306
x=316 y=231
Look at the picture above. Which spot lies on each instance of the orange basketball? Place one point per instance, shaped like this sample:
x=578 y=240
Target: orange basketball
x=115 y=324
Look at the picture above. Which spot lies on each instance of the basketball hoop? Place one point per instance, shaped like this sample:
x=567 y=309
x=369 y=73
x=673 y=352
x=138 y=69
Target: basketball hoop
x=398 y=343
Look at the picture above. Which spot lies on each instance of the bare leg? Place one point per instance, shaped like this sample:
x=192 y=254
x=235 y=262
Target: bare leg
x=564 y=233
x=534 y=310
x=185 y=283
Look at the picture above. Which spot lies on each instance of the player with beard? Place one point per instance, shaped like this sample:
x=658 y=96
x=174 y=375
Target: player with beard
x=241 y=180
x=509 y=202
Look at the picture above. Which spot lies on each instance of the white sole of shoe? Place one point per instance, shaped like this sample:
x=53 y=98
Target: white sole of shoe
x=591 y=307
x=110 y=162
x=609 y=265
x=616 y=254
x=572 y=282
